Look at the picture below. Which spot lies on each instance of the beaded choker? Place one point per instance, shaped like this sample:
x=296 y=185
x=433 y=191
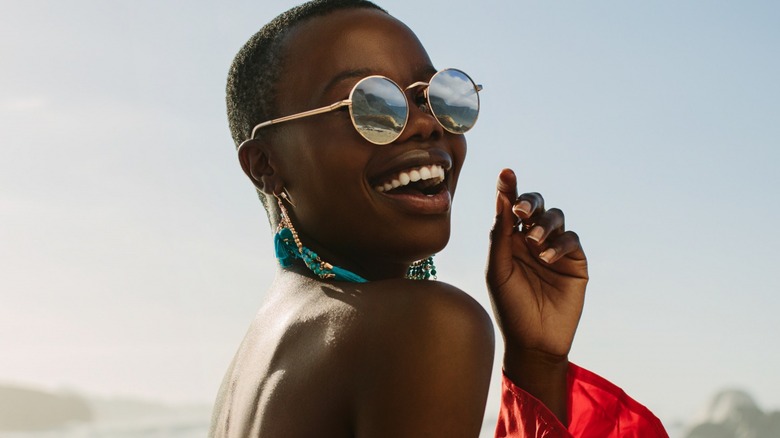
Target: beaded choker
x=288 y=248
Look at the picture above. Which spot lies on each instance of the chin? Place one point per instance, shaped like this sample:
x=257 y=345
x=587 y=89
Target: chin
x=423 y=242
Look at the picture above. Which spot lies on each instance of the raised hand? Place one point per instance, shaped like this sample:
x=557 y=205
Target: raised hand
x=536 y=276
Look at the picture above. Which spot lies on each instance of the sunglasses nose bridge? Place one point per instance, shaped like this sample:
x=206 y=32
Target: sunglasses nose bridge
x=421 y=123
x=417 y=84
x=413 y=98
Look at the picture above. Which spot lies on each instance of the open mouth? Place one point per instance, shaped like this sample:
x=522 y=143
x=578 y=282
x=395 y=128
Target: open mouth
x=427 y=180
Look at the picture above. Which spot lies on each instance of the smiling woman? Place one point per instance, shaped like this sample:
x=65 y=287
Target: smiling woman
x=347 y=343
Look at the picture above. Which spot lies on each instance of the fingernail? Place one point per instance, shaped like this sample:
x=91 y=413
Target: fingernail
x=523 y=207
x=536 y=233
x=547 y=255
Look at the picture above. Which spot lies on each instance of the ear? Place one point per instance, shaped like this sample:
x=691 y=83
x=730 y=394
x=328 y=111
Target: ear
x=257 y=165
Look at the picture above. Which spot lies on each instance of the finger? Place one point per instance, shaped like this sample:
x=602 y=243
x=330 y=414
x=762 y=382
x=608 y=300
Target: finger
x=567 y=244
x=506 y=188
x=503 y=226
x=528 y=205
x=551 y=222
x=507 y=184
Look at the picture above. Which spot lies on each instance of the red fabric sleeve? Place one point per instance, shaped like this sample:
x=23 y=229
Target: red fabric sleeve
x=597 y=408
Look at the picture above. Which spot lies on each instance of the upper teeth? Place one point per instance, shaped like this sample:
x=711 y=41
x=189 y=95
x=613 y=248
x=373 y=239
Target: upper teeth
x=409 y=176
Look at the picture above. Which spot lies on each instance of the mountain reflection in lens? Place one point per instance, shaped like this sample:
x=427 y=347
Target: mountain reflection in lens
x=379 y=109
x=454 y=100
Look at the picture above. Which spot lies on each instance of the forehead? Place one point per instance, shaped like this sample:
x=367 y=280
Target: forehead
x=323 y=48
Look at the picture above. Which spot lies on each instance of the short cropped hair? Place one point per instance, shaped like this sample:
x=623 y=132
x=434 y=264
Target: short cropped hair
x=252 y=80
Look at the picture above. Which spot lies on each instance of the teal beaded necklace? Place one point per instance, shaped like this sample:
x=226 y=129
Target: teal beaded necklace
x=288 y=248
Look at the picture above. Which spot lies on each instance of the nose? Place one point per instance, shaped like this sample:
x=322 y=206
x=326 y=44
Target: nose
x=421 y=125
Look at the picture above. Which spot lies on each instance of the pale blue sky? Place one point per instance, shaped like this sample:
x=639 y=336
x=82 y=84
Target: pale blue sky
x=133 y=253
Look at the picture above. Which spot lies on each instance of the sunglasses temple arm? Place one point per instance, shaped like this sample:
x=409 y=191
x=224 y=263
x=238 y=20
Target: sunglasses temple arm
x=324 y=109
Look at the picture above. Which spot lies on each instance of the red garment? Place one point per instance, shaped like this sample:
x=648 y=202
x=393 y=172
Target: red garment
x=597 y=409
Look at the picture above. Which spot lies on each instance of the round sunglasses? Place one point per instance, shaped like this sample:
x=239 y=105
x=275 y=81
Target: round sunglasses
x=379 y=108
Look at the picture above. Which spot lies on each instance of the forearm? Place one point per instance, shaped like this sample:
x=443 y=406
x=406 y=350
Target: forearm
x=542 y=375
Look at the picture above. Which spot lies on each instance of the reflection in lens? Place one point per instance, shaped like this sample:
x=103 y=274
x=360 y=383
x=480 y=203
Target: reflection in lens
x=378 y=109
x=454 y=100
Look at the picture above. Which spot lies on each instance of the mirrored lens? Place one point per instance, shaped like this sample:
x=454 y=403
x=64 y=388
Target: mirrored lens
x=378 y=109
x=454 y=100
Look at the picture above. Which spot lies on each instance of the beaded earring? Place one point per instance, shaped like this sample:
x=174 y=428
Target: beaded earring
x=422 y=270
x=288 y=247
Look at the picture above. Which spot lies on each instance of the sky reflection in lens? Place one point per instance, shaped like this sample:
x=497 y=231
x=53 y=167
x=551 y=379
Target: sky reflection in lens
x=379 y=110
x=454 y=100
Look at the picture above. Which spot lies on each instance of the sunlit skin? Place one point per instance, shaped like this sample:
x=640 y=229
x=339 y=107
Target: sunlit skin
x=391 y=357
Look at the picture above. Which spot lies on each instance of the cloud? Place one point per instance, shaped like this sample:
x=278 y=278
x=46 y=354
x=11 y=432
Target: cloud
x=454 y=89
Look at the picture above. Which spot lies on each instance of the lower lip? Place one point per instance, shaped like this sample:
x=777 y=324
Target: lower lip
x=415 y=203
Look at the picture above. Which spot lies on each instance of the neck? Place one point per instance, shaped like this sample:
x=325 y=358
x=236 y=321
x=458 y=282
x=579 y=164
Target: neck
x=371 y=269
x=326 y=263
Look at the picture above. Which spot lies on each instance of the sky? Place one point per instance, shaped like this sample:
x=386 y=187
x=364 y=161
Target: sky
x=134 y=254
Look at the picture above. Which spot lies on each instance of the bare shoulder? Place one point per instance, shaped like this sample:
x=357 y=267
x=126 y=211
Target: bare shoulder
x=386 y=358
x=405 y=315
x=419 y=307
x=379 y=309
x=426 y=356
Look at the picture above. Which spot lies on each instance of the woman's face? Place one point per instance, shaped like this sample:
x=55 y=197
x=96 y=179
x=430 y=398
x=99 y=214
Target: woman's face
x=333 y=174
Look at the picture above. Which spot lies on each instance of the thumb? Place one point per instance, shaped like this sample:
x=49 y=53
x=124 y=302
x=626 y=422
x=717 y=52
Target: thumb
x=503 y=226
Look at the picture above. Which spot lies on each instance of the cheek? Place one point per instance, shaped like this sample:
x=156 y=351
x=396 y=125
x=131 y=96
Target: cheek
x=324 y=151
x=459 y=149
x=327 y=180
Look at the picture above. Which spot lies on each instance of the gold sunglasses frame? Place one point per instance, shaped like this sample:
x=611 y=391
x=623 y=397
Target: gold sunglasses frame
x=348 y=102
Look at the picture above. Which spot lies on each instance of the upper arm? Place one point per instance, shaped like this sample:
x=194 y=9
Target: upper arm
x=426 y=365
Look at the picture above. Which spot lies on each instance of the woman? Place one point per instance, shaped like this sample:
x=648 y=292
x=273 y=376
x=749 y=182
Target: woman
x=358 y=191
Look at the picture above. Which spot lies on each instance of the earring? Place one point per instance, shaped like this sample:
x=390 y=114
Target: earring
x=422 y=270
x=288 y=247
x=286 y=196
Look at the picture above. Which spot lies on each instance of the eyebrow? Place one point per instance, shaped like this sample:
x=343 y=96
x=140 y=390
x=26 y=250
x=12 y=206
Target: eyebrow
x=424 y=70
x=347 y=74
